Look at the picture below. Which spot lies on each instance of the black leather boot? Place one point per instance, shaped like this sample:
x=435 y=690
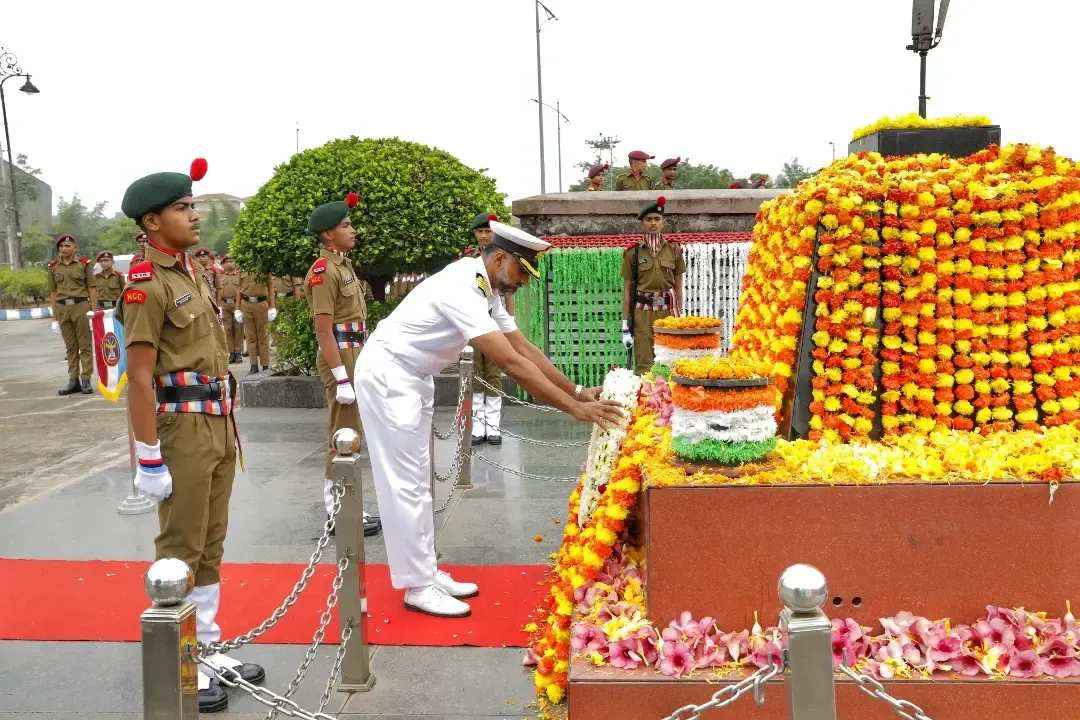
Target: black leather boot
x=71 y=388
x=86 y=389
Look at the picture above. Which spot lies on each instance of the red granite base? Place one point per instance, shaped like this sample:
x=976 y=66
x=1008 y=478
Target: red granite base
x=936 y=550
x=605 y=693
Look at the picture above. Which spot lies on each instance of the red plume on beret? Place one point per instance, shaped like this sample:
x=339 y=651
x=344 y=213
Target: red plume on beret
x=661 y=201
x=607 y=165
x=198 y=169
x=492 y=216
x=734 y=186
x=352 y=200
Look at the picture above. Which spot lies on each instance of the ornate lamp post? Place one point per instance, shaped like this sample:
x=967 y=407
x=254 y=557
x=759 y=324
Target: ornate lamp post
x=9 y=68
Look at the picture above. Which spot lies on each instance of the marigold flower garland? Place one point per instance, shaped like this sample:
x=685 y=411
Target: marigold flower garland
x=914 y=120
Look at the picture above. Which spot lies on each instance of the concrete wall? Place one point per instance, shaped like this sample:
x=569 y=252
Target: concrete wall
x=615 y=213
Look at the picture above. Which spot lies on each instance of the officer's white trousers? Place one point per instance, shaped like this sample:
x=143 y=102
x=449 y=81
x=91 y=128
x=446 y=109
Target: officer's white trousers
x=396 y=408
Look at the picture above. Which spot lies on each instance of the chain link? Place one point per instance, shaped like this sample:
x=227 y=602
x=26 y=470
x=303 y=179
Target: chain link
x=231 y=678
x=220 y=647
x=532 y=441
x=320 y=633
x=730 y=693
x=870 y=686
x=453 y=489
x=522 y=473
x=514 y=400
x=460 y=401
x=461 y=422
x=335 y=672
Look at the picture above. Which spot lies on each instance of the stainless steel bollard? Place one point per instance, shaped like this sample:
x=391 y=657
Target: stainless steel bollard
x=352 y=603
x=169 y=674
x=465 y=372
x=810 y=685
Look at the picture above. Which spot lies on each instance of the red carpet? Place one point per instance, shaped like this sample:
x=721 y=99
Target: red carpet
x=100 y=600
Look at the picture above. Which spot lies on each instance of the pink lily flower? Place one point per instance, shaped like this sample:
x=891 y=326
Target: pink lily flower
x=623 y=654
x=648 y=643
x=997 y=631
x=737 y=644
x=676 y=660
x=899 y=624
x=1025 y=664
x=879 y=670
x=1061 y=666
x=531 y=659
x=967 y=664
x=586 y=638
x=769 y=652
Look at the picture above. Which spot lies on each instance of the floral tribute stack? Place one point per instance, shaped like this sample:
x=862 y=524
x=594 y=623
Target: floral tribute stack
x=724 y=411
x=691 y=336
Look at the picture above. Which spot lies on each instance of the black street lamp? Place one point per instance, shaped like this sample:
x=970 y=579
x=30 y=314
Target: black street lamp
x=924 y=38
x=560 y=120
x=9 y=68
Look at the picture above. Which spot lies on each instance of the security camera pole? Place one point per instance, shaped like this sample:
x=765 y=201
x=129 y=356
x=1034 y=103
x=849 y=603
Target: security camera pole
x=924 y=38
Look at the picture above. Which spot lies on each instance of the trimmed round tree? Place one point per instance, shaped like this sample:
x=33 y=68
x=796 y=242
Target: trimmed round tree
x=416 y=203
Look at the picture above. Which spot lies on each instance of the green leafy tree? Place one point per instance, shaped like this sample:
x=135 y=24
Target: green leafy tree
x=416 y=204
x=86 y=224
x=690 y=176
x=25 y=179
x=37 y=246
x=219 y=226
x=118 y=237
x=792 y=174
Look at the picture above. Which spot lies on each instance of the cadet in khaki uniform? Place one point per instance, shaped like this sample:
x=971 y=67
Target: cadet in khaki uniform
x=596 y=177
x=487 y=404
x=72 y=293
x=108 y=283
x=656 y=289
x=635 y=179
x=208 y=273
x=180 y=401
x=668 y=170
x=339 y=313
x=234 y=331
x=256 y=310
x=286 y=286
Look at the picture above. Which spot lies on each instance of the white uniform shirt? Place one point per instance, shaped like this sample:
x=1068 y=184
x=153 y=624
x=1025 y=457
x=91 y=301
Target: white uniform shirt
x=442 y=314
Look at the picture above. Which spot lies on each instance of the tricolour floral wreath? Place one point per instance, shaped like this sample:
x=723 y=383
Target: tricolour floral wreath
x=669 y=348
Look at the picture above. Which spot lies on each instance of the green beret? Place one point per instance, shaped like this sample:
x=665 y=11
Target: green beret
x=653 y=207
x=153 y=192
x=326 y=217
x=482 y=220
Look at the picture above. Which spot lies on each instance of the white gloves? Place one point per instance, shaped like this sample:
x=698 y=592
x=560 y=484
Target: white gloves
x=271 y=314
x=345 y=394
x=56 y=327
x=151 y=475
x=238 y=315
x=627 y=338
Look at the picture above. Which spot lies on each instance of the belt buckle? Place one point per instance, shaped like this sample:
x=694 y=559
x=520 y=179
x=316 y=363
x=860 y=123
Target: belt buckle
x=221 y=389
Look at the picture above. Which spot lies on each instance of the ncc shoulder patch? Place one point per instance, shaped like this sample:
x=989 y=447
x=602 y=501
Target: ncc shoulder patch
x=141 y=271
x=319 y=266
x=84 y=260
x=482 y=283
x=53 y=262
x=133 y=296
x=315 y=280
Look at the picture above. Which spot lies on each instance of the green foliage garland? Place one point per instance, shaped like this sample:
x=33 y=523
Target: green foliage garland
x=724 y=453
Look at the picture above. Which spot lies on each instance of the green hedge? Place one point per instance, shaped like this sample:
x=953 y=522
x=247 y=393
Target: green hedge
x=25 y=286
x=295 y=335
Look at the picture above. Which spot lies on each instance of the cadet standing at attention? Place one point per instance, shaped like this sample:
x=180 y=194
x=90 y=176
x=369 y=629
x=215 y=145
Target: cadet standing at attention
x=72 y=293
x=635 y=178
x=668 y=170
x=652 y=271
x=340 y=317
x=108 y=283
x=256 y=310
x=487 y=403
x=234 y=330
x=209 y=273
x=180 y=401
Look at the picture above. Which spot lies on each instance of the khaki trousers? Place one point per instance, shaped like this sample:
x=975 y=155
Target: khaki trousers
x=341 y=416
x=200 y=452
x=78 y=342
x=488 y=371
x=643 y=338
x=257 y=332
x=234 y=331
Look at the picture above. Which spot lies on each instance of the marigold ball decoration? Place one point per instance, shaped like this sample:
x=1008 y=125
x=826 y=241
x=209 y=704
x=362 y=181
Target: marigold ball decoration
x=199 y=167
x=352 y=200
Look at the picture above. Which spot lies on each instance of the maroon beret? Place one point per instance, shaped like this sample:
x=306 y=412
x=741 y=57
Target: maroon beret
x=670 y=162
x=597 y=169
x=202 y=252
x=65 y=236
x=103 y=253
x=639 y=155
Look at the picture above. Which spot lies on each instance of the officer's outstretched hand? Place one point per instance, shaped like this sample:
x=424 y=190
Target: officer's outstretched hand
x=345 y=394
x=605 y=413
x=56 y=327
x=238 y=315
x=151 y=475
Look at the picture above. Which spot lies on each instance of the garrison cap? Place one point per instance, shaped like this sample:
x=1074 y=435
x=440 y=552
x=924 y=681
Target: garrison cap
x=639 y=155
x=327 y=216
x=670 y=162
x=597 y=169
x=65 y=236
x=482 y=220
x=525 y=247
x=653 y=207
x=153 y=192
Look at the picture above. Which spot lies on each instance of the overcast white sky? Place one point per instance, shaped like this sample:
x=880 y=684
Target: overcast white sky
x=129 y=88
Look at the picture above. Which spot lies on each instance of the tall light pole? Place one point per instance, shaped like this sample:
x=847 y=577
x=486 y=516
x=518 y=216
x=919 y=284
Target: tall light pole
x=558 y=132
x=833 y=150
x=540 y=90
x=9 y=68
x=924 y=38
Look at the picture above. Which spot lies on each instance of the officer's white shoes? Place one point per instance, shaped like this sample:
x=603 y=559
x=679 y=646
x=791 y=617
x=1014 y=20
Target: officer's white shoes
x=432 y=600
x=453 y=588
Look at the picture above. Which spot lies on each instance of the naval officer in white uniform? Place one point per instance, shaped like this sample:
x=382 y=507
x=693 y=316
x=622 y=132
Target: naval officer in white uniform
x=395 y=394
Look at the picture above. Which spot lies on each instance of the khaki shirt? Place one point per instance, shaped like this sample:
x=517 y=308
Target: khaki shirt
x=332 y=289
x=210 y=277
x=283 y=285
x=253 y=286
x=625 y=182
x=174 y=312
x=593 y=188
x=109 y=287
x=656 y=273
x=71 y=280
x=229 y=283
x=665 y=186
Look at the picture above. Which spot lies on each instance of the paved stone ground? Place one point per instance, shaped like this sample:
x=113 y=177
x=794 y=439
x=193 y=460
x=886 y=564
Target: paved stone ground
x=65 y=470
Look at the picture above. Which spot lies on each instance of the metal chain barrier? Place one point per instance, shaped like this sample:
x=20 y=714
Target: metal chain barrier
x=301 y=585
x=449 y=498
x=531 y=441
x=461 y=422
x=231 y=678
x=515 y=400
x=335 y=672
x=730 y=693
x=522 y=473
x=460 y=401
x=870 y=686
x=320 y=633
